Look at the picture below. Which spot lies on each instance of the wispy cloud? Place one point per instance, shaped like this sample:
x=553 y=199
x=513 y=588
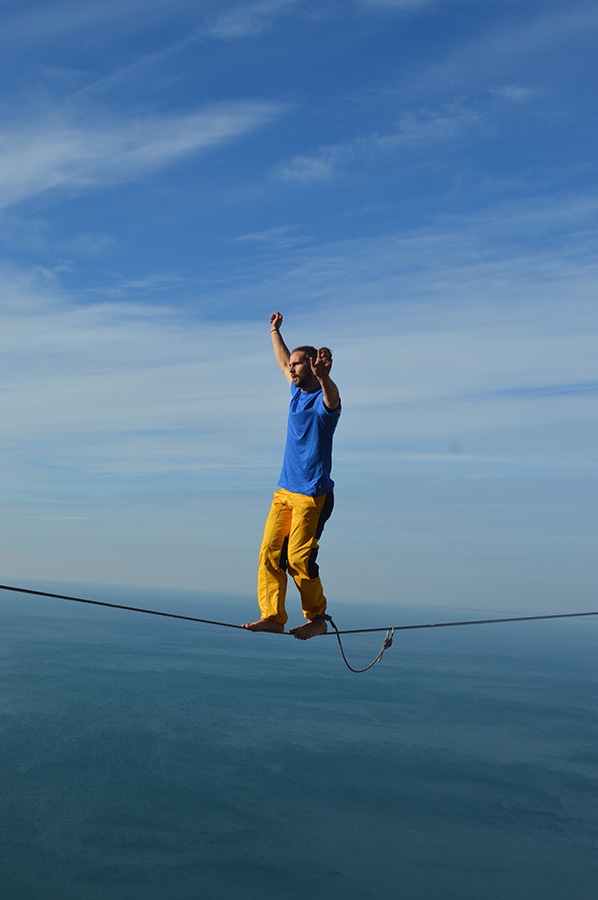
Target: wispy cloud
x=249 y=19
x=59 y=153
x=514 y=92
x=124 y=390
x=424 y=127
x=321 y=165
x=487 y=61
x=395 y=4
x=150 y=284
x=63 y=19
x=463 y=333
x=282 y=237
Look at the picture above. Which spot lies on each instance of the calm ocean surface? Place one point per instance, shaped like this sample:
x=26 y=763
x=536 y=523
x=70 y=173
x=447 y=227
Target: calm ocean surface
x=148 y=759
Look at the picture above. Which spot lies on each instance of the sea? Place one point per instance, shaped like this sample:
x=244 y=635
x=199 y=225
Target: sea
x=145 y=758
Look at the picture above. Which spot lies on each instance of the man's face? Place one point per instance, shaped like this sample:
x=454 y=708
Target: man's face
x=300 y=369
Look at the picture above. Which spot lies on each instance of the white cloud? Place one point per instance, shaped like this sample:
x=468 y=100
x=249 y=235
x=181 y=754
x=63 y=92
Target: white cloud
x=513 y=92
x=59 y=19
x=149 y=284
x=424 y=127
x=502 y=50
x=282 y=237
x=70 y=155
x=248 y=20
x=447 y=330
x=320 y=166
x=396 y=4
x=122 y=388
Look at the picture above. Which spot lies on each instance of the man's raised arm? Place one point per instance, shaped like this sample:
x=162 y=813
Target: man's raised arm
x=281 y=351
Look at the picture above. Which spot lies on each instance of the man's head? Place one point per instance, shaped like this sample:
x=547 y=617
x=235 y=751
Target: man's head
x=300 y=367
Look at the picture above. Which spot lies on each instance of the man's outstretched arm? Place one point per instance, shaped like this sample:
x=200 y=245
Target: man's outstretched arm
x=281 y=351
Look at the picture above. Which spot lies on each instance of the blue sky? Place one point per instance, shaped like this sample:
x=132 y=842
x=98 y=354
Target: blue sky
x=411 y=183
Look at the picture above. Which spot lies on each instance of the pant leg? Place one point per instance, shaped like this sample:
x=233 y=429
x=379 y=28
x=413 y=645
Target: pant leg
x=309 y=515
x=272 y=577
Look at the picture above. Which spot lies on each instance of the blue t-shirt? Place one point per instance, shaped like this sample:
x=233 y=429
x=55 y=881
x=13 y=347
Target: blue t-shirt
x=307 y=459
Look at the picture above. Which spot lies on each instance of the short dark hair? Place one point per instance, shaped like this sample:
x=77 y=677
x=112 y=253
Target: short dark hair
x=308 y=351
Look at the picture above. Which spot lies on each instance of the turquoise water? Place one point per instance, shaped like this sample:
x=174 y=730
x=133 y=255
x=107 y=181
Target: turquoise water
x=147 y=758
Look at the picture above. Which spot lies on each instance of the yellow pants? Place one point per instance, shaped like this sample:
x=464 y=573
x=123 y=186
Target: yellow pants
x=293 y=526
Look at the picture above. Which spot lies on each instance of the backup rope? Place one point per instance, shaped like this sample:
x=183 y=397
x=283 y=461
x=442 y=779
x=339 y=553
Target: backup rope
x=386 y=643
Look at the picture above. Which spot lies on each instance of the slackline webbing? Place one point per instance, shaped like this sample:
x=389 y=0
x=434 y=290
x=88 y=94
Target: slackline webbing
x=387 y=642
x=139 y=609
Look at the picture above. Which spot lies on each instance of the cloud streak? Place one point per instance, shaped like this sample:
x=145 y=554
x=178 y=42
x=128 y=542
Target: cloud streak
x=67 y=154
x=415 y=129
x=248 y=20
x=63 y=19
x=406 y=5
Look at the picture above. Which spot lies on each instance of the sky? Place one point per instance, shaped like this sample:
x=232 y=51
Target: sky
x=412 y=183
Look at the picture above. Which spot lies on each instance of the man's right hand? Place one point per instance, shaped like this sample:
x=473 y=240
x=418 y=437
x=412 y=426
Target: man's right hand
x=281 y=351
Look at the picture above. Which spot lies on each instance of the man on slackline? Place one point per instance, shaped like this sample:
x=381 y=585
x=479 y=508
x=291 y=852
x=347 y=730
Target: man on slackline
x=304 y=499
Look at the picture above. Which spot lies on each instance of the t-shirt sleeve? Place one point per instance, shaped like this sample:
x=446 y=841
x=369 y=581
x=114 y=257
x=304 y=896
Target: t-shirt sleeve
x=332 y=412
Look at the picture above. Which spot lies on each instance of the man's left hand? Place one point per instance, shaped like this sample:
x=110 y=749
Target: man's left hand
x=322 y=364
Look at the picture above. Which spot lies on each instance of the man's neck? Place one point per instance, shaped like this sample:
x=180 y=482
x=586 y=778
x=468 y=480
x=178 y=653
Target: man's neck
x=314 y=385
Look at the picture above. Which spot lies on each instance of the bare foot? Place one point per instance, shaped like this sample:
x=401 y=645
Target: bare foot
x=264 y=625
x=312 y=628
